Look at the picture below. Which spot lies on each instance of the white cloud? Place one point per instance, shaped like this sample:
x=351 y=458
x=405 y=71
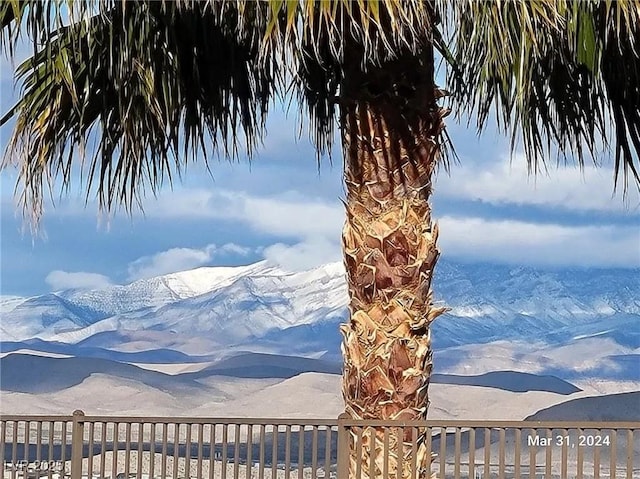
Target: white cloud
x=290 y=215
x=59 y=280
x=565 y=187
x=314 y=225
x=305 y=255
x=179 y=259
x=235 y=249
x=295 y=216
x=539 y=244
x=317 y=225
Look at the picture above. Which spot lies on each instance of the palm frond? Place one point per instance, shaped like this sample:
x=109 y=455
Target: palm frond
x=138 y=79
x=557 y=71
x=311 y=38
x=36 y=19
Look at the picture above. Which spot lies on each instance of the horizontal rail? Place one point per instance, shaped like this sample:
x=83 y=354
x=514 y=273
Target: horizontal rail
x=14 y=418
x=491 y=424
x=176 y=419
x=347 y=422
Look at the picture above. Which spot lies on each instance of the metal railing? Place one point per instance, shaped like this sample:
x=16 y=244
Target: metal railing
x=87 y=447
x=490 y=449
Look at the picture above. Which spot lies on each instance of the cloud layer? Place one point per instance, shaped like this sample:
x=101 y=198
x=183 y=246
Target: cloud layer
x=519 y=242
x=315 y=227
x=305 y=232
x=305 y=254
x=310 y=226
x=179 y=259
x=565 y=188
x=59 y=280
x=290 y=214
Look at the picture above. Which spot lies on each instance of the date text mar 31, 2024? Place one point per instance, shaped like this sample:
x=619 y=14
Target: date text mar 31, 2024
x=569 y=441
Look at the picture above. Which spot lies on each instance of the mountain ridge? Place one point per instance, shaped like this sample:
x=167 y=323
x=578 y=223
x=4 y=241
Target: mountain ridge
x=260 y=307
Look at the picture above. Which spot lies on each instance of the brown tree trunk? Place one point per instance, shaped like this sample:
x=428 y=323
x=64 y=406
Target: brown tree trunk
x=391 y=132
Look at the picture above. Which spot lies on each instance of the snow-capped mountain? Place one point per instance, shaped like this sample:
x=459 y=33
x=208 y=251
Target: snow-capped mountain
x=162 y=290
x=209 y=309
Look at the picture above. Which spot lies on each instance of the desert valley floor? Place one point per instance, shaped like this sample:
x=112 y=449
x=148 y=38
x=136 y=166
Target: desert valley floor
x=305 y=395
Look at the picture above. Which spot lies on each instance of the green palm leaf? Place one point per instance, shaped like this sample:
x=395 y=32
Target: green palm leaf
x=150 y=85
x=155 y=83
x=560 y=73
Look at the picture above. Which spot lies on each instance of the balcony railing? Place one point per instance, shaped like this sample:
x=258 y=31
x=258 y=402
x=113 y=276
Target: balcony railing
x=88 y=447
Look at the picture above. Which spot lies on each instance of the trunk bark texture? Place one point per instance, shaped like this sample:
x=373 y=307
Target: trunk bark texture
x=391 y=129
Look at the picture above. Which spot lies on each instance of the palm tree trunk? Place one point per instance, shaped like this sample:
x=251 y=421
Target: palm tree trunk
x=391 y=127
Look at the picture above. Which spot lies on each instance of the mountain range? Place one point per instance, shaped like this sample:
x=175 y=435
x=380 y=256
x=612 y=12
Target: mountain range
x=211 y=313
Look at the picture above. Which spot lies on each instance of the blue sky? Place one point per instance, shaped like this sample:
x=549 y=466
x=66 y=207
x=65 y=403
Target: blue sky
x=282 y=208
